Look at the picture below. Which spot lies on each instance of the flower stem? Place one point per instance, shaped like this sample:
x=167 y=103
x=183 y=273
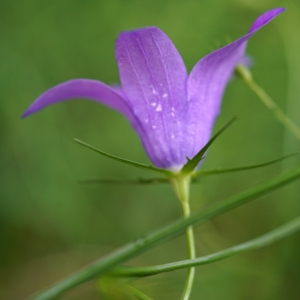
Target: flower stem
x=246 y=75
x=138 y=294
x=182 y=186
x=191 y=255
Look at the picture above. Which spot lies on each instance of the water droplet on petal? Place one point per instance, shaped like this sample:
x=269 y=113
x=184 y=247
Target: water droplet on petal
x=165 y=95
x=153 y=104
x=154 y=126
x=154 y=92
x=159 y=108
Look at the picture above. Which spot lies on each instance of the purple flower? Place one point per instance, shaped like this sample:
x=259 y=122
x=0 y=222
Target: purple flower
x=172 y=112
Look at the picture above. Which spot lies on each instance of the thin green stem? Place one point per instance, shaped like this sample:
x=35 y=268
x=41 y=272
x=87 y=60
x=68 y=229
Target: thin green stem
x=141 y=245
x=277 y=234
x=191 y=255
x=182 y=187
x=246 y=75
x=137 y=293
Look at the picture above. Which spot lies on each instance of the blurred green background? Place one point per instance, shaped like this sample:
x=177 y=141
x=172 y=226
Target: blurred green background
x=50 y=225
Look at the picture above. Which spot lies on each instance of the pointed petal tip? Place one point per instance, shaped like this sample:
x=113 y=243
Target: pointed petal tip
x=27 y=113
x=274 y=12
x=266 y=18
x=80 y=88
x=23 y=116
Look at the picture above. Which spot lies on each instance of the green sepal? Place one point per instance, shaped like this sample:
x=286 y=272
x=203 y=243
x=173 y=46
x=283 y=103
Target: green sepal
x=192 y=163
x=125 y=181
x=125 y=161
x=202 y=173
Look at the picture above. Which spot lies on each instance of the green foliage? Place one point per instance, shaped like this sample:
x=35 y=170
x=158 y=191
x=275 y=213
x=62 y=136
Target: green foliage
x=134 y=248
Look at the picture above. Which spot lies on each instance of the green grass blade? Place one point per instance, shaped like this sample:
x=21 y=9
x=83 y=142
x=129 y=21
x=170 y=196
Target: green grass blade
x=245 y=74
x=277 y=234
x=192 y=163
x=137 y=293
x=125 y=161
x=147 y=242
x=242 y=168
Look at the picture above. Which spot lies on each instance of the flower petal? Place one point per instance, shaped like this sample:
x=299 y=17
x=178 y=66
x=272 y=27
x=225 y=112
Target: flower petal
x=153 y=77
x=266 y=18
x=81 y=88
x=207 y=82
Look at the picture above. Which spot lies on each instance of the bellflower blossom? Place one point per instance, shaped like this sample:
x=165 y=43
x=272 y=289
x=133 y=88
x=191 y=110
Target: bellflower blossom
x=172 y=112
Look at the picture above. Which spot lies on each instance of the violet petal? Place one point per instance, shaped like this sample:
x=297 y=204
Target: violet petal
x=207 y=82
x=81 y=88
x=153 y=77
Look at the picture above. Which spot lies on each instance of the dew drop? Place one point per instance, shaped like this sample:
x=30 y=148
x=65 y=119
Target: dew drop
x=154 y=92
x=154 y=126
x=165 y=95
x=159 y=108
x=153 y=104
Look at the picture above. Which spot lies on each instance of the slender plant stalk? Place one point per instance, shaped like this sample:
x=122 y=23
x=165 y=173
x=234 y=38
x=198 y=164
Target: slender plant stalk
x=182 y=187
x=191 y=255
x=277 y=234
x=246 y=75
x=141 y=245
x=137 y=293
